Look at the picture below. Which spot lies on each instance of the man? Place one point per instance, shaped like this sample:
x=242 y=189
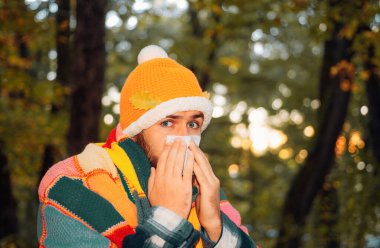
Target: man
x=144 y=187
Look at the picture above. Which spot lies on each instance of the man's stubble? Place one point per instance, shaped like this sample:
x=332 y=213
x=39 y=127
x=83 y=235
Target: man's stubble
x=141 y=141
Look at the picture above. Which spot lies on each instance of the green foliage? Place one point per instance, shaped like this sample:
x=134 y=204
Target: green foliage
x=27 y=96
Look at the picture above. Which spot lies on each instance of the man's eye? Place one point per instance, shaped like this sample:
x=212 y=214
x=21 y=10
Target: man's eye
x=166 y=123
x=193 y=124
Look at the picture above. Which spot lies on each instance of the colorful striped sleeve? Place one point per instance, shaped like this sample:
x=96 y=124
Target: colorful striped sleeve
x=71 y=215
x=60 y=230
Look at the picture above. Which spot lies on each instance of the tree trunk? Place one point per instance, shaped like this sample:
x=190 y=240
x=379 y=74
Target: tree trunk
x=204 y=74
x=50 y=156
x=373 y=96
x=328 y=218
x=51 y=152
x=8 y=218
x=62 y=41
x=335 y=95
x=88 y=74
x=8 y=204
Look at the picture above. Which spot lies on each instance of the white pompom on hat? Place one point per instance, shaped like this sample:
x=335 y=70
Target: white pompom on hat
x=151 y=52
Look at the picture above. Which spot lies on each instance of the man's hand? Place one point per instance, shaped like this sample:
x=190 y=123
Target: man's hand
x=166 y=185
x=208 y=201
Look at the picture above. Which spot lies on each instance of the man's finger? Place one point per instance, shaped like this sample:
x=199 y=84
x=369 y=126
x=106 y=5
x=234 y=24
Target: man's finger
x=189 y=167
x=172 y=157
x=203 y=163
x=180 y=160
x=194 y=147
x=202 y=179
x=161 y=163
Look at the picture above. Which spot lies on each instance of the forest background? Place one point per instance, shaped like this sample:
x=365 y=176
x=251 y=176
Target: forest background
x=295 y=137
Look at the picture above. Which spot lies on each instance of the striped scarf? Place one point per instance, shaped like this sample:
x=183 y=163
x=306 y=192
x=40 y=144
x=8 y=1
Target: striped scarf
x=134 y=168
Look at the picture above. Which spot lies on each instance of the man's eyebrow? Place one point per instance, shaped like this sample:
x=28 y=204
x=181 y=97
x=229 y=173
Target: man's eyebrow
x=174 y=116
x=198 y=116
x=179 y=116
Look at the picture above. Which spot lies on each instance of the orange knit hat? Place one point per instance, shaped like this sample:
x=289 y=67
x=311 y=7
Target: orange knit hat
x=156 y=88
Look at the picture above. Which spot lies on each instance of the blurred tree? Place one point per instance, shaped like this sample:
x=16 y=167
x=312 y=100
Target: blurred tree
x=373 y=95
x=52 y=153
x=8 y=216
x=336 y=83
x=210 y=33
x=27 y=92
x=88 y=74
x=327 y=217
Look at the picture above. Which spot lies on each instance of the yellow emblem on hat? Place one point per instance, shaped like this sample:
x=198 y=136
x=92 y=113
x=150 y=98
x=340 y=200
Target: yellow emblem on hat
x=144 y=100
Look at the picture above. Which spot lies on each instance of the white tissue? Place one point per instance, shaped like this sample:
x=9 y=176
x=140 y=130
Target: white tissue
x=186 y=139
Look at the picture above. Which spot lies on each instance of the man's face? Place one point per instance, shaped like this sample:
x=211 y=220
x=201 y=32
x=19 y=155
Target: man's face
x=182 y=123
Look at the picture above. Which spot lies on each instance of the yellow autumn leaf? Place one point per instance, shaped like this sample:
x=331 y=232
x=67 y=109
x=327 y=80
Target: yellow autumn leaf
x=349 y=30
x=230 y=61
x=144 y=100
x=333 y=71
x=216 y=9
x=205 y=94
x=364 y=75
x=369 y=34
x=343 y=68
x=19 y=62
x=345 y=85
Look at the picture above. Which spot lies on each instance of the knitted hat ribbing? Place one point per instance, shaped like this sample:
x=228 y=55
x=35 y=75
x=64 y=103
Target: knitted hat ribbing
x=156 y=88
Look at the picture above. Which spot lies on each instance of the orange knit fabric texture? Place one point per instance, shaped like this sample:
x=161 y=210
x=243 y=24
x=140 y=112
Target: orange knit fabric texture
x=162 y=79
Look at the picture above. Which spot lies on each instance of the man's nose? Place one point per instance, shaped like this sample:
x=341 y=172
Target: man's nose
x=182 y=130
